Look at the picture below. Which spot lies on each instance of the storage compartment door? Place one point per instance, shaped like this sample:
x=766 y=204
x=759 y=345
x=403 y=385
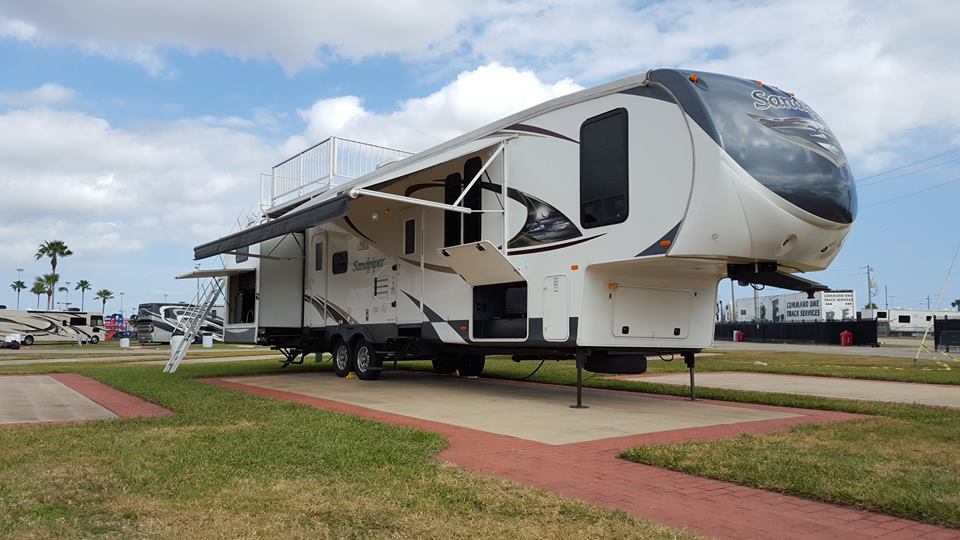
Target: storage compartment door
x=480 y=263
x=643 y=312
x=556 y=308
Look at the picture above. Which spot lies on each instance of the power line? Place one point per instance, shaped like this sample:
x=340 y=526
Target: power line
x=912 y=163
x=908 y=173
x=905 y=195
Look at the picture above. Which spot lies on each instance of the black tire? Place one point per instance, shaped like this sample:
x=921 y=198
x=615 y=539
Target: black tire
x=28 y=340
x=342 y=359
x=471 y=366
x=445 y=365
x=94 y=340
x=367 y=363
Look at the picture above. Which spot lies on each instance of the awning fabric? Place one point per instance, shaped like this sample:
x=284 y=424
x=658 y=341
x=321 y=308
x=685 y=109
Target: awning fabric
x=213 y=272
x=293 y=222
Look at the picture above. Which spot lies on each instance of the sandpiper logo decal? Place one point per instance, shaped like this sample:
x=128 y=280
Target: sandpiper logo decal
x=369 y=265
x=762 y=101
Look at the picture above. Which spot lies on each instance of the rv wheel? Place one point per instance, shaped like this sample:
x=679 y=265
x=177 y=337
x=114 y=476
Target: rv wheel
x=366 y=360
x=444 y=365
x=471 y=366
x=95 y=339
x=342 y=363
x=28 y=340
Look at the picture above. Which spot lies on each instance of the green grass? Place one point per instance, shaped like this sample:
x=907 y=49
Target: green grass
x=826 y=365
x=235 y=465
x=903 y=461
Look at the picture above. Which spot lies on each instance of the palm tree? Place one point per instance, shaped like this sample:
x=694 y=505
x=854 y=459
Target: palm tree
x=18 y=286
x=104 y=295
x=50 y=284
x=38 y=288
x=956 y=304
x=83 y=286
x=53 y=249
x=64 y=290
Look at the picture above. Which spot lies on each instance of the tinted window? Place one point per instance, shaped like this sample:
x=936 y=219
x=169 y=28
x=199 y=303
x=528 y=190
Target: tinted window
x=318 y=257
x=78 y=321
x=472 y=223
x=339 y=262
x=409 y=236
x=242 y=254
x=603 y=169
x=903 y=318
x=782 y=143
x=451 y=220
x=96 y=320
x=881 y=314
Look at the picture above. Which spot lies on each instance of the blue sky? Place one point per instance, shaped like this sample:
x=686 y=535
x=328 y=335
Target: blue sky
x=134 y=131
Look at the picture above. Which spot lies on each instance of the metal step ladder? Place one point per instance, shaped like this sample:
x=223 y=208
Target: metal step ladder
x=191 y=322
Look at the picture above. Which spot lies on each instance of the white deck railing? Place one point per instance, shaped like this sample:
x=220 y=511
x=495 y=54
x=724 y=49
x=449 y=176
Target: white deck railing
x=325 y=164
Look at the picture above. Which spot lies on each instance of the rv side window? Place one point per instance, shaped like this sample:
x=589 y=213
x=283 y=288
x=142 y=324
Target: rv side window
x=451 y=220
x=903 y=318
x=318 y=257
x=929 y=317
x=881 y=314
x=472 y=223
x=96 y=320
x=410 y=237
x=339 y=262
x=242 y=254
x=604 y=175
x=78 y=321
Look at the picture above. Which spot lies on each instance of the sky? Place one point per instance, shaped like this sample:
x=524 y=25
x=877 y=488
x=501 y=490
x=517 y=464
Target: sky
x=134 y=131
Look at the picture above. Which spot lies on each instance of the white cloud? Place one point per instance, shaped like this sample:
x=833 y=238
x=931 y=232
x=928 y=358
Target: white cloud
x=474 y=98
x=46 y=95
x=74 y=176
x=295 y=34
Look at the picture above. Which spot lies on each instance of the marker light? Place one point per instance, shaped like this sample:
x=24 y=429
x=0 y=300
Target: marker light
x=613 y=285
x=574 y=266
x=664 y=243
x=759 y=83
x=693 y=77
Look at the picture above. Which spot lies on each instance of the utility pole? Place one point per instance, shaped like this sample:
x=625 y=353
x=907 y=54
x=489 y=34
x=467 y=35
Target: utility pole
x=733 y=303
x=886 y=298
x=121 y=303
x=928 y=302
x=869 y=286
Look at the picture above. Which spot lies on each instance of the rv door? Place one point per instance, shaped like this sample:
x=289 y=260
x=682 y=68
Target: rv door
x=315 y=290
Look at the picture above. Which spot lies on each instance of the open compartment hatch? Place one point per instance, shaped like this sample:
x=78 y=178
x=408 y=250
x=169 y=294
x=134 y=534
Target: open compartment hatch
x=481 y=263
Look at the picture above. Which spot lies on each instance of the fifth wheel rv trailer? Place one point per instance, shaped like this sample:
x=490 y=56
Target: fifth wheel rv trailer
x=156 y=322
x=595 y=226
x=35 y=326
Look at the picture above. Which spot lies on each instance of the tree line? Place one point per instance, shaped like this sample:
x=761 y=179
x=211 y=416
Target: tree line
x=49 y=284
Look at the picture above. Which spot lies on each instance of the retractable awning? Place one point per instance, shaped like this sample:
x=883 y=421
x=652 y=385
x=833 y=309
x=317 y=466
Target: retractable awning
x=213 y=272
x=296 y=221
x=318 y=211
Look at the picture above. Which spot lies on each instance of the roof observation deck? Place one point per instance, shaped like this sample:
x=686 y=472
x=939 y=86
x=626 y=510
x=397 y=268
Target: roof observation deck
x=328 y=163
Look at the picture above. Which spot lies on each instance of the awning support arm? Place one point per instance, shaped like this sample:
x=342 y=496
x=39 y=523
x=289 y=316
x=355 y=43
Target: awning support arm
x=476 y=177
x=356 y=192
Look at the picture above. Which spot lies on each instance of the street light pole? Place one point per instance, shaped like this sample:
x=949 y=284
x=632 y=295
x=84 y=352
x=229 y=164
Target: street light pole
x=19 y=271
x=121 y=303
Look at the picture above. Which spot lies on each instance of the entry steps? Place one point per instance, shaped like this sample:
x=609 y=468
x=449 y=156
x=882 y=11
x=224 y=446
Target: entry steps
x=192 y=321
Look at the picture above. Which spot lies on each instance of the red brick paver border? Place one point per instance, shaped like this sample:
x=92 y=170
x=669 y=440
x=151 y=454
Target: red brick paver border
x=591 y=471
x=119 y=403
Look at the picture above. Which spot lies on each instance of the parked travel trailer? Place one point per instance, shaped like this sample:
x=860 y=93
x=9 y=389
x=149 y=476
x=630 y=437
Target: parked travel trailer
x=901 y=321
x=596 y=225
x=156 y=322
x=35 y=326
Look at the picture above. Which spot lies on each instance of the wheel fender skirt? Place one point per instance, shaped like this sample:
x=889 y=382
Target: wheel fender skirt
x=766 y=273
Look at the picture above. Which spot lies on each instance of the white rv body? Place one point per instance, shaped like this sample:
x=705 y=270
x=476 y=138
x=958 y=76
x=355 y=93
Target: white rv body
x=36 y=326
x=600 y=225
x=908 y=321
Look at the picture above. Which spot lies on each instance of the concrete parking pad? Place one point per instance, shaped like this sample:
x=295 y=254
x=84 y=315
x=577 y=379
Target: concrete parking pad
x=66 y=397
x=894 y=392
x=41 y=398
x=532 y=412
x=591 y=471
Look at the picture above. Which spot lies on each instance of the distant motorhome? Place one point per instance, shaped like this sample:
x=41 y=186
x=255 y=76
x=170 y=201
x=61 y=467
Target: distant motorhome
x=35 y=326
x=156 y=322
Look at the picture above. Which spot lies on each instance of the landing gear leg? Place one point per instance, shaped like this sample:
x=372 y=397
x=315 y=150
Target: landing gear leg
x=290 y=356
x=691 y=362
x=581 y=358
